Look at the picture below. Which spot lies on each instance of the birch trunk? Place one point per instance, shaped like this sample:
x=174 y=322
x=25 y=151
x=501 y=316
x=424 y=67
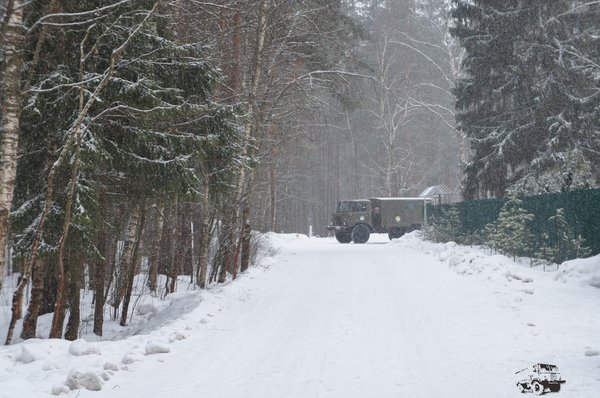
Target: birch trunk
x=125 y=267
x=246 y=229
x=204 y=239
x=132 y=265
x=172 y=272
x=11 y=109
x=111 y=264
x=228 y=244
x=173 y=266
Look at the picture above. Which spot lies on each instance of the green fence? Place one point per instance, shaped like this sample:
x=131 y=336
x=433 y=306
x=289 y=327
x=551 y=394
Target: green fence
x=581 y=210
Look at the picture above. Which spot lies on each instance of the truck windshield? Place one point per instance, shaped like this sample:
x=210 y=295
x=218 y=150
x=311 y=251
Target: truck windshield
x=345 y=207
x=548 y=368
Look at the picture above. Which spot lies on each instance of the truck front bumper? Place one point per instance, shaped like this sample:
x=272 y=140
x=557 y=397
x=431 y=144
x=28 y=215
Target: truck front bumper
x=335 y=228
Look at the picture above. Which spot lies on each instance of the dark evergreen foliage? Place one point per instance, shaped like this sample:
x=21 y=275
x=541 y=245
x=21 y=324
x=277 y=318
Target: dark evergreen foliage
x=445 y=227
x=151 y=133
x=528 y=99
x=559 y=243
x=511 y=234
x=564 y=226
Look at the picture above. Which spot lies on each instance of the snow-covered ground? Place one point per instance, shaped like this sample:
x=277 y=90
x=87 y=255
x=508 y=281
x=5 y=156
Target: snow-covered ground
x=406 y=318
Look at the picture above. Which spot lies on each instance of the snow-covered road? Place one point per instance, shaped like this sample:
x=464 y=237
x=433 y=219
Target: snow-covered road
x=376 y=320
x=406 y=318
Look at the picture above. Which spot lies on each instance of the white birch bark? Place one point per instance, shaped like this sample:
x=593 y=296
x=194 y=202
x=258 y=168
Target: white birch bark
x=11 y=107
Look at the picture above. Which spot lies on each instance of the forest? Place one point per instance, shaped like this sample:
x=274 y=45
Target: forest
x=154 y=136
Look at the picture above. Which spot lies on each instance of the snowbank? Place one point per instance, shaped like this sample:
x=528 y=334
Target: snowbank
x=586 y=270
x=46 y=367
x=475 y=260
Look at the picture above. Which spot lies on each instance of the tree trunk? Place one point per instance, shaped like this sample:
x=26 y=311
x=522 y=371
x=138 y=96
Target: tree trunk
x=50 y=286
x=246 y=235
x=74 y=292
x=59 y=307
x=236 y=75
x=229 y=249
x=219 y=269
x=35 y=303
x=272 y=196
x=133 y=265
x=204 y=239
x=173 y=271
x=100 y=272
x=246 y=229
x=111 y=264
x=155 y=255
x=355 y=174
x=125 y=267
x=172 y=279
x=99 y=277
x=184 y=245
x=11 y=110
x=236 y=258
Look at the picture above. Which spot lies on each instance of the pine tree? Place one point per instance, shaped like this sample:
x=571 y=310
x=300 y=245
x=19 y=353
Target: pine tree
x=511 y=233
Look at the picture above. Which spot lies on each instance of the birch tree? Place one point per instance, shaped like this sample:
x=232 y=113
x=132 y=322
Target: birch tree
x=11 y=110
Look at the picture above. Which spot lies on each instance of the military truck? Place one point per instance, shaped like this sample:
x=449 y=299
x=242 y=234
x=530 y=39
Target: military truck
x=542 y=378
x=355 y=220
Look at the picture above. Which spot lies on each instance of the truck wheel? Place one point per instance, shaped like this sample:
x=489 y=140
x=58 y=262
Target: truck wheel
x=554 y=387
x=343 y=236
x=395 y=233
x=537 y=388
x=360 y=233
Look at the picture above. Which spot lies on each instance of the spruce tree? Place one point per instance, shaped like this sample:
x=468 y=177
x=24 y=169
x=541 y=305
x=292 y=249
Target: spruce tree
x=448 y=227
x=527 y=101
x=560 y=243
x=512 y=235
x=150 y=135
